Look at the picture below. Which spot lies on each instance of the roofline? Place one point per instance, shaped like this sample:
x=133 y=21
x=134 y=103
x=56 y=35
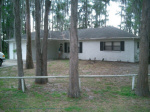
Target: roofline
x=13 y=40
x=103 y=38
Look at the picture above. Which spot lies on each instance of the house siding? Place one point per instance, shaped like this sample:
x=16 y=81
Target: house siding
x=91 y=50
x=12 y=47
x=11 y=52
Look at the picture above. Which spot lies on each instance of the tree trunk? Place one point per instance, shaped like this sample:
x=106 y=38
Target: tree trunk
x=41 y=57
x=52 y=18
x=47 y=9
x=86 y=11
x=29 y=61
x=121 y=17
x=96 y=17
x=73 y=90
x=142 y=88
x=22 y=16
x=1 y=2
x=42 y=12
x=18 y=40
x=37 y=41
x=105 y=12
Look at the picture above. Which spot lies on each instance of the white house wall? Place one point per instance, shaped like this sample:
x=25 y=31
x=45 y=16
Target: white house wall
x=91 y=50
x=24 y=50
x=12 y=48
x=11 y=52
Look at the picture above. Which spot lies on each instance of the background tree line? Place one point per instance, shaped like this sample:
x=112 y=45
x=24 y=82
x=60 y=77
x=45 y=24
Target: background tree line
x=90 y=14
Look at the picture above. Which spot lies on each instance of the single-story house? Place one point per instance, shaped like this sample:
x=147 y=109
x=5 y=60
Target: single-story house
x=106 y=43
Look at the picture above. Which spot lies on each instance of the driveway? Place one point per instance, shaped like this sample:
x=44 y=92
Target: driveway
x=8 y=63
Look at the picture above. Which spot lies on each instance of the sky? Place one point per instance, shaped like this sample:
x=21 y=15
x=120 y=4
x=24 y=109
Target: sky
x=113 y=8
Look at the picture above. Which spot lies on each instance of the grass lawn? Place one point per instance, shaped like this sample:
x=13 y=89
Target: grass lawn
x=97 y=94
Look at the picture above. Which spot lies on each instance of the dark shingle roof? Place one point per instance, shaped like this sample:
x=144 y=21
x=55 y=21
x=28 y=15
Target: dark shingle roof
x=95 y=33
x=87 y=34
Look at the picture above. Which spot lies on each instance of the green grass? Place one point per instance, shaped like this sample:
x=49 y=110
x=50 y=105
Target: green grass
x=73 y=108
x=56 y=94
x=97 y=94
x=124 y=91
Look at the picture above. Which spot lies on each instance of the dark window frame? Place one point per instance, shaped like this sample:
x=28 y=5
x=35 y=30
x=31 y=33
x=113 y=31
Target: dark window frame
x=103 y=46
x=138 y=45
x=67 y=47
x=80 y=48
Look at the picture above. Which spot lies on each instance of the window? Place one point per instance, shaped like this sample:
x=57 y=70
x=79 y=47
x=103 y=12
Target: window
x=112 y=46
x=116 y=46
x=67 y=47
x=80 y=47
x=108 y=46
x=138 y=45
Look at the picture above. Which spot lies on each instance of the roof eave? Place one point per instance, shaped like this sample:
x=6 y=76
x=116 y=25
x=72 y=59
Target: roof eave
x=112 y=38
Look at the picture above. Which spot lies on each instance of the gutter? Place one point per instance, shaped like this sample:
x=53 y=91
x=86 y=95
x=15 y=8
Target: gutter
x=103 y=38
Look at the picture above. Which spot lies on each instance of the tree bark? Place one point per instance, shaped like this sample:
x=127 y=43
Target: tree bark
x=18 y=41
x=41 y=56
x=142 y=88
x=44 y=50
x=105 y=12
x=86 y=13
x=37 y=41
x=1 y=2
x=29 y=60
x=73 y=91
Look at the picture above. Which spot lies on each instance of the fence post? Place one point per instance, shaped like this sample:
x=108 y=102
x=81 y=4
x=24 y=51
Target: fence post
x=133 y=82
x=79 y=84
x=22 y=83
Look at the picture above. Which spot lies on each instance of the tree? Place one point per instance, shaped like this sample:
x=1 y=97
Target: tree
x=60 y=15
x=7 y=26
x=142 y=88
x=41 y=56
x=98 y=7
x=23 y=16
x=132 y=17
x=1 y=3
x=106 y=2
x=18 y=40
x=73 y=90
x=44 y=50
x=121 y=14
x=37 y=41
x=29 y=60
x=83 y=14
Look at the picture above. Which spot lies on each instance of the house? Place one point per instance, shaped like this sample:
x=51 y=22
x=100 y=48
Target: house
x=107 y=43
